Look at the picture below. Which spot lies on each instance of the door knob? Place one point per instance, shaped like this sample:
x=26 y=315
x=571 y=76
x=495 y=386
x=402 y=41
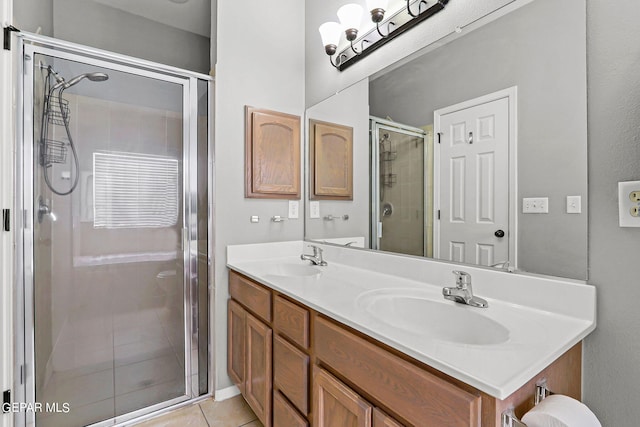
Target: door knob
x=499 y=233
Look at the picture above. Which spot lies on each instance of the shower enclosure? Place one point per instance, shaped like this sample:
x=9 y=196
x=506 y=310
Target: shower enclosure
x=113 y=169
x=400 y=173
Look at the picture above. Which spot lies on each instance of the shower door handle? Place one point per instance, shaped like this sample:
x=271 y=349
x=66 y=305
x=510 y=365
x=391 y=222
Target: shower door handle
x=184 y=238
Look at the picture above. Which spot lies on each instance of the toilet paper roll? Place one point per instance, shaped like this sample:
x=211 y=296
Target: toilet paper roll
x=560 y=411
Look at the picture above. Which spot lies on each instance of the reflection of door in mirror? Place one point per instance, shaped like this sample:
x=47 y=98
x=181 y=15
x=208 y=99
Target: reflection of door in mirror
x=400 y=197
x=472 y=184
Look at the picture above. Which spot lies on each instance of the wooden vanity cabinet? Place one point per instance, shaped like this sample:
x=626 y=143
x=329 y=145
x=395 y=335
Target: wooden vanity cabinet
x=297 y=368
x=236 y=343
x=284 y=415
x=249 y=345
x=380 y=419
x=258 y=374
x=336 y=405
x=414 y=394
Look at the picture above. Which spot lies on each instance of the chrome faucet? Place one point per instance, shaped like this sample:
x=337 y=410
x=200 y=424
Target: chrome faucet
x=316 y=258
x=504 y=265
x=463 y=292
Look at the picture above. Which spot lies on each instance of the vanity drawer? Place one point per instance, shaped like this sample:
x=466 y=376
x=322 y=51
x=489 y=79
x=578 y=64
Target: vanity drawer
x=413 y=393
x=292 y=321
x=284 y=414
x=291 y=373
x=251 y=295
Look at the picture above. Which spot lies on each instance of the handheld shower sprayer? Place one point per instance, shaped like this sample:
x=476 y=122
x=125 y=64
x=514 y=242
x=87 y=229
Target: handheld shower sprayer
x=56 y=111
x=62 y=83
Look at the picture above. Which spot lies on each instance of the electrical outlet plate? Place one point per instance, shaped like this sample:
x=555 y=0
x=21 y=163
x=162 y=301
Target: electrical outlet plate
x=293 y=209
x=535 y=205
x=574 y=204
x=629 y=203
x=314 y=209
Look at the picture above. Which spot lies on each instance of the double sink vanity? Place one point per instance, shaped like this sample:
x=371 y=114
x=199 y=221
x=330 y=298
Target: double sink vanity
x=374 y=339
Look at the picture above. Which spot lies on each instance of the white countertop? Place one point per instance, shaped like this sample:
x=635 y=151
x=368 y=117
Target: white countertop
x=544 y=316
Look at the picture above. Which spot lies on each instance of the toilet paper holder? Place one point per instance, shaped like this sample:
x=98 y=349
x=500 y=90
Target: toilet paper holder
x=509 y=418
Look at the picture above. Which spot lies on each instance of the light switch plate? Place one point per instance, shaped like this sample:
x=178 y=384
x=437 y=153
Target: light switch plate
x=314 y=209
x=535 y=205
x=629 y=203
x=294 y=207
x=574 y=204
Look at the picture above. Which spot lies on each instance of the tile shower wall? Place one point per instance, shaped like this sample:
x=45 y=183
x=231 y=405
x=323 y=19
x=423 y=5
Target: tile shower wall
x=403 y=231
x=116 y=330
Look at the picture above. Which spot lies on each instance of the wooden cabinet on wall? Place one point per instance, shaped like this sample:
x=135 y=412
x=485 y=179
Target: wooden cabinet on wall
x=330 y=161
x=338 y=377
x=272 y=154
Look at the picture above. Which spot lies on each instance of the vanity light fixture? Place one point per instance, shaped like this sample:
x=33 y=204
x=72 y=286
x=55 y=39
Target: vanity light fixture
x=377 y=9
x=330 y=34
x=422 y=2
x=350 y=16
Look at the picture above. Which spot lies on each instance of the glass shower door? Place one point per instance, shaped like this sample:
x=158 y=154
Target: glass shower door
x=110 y=263
x=400 y=194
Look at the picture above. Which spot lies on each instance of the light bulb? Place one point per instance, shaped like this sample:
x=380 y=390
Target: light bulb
x=350 y=16
x=377 y=4
x=330 y=33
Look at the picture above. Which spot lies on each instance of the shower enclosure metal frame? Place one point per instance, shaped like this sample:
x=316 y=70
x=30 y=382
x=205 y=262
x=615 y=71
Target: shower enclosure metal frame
x=28 y=45
x=377 y=124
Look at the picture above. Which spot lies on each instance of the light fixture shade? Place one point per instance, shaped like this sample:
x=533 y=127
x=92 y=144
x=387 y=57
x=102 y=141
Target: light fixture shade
x=350 y=16
x=330 y=33
x=377 y=4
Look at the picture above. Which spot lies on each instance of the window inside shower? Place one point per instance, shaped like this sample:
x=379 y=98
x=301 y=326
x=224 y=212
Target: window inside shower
x=118 y=250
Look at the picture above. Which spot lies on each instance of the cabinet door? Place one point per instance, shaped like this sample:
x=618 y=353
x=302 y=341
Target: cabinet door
x=380 y=419
x=258 y=372
x=291 y=373
x=284 y=415
x=331 y=161
x=336 y=405
x=272 y=151
x=236 y=339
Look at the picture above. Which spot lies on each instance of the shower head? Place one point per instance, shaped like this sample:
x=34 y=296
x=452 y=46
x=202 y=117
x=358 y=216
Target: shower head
x=94 y=77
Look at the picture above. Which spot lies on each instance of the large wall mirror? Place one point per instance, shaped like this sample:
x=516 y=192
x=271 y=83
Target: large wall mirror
x=474 y=151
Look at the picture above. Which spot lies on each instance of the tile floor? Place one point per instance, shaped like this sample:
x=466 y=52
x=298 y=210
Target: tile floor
x=233 y=412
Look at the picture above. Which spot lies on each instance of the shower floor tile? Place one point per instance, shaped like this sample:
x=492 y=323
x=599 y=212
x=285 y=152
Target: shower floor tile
x=142 y=350
x=142 y=375
x=81 y=390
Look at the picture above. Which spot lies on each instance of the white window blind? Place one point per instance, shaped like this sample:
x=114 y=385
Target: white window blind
x=134 y=191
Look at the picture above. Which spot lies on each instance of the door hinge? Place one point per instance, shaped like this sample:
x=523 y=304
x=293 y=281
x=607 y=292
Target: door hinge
x=6 y=401
x=438 y=213
x=23 y=372
x=439 y=137
x=6 y=219
x=7 y=36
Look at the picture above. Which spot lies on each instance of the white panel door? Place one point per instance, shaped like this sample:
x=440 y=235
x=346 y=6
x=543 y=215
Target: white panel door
x=474 y=184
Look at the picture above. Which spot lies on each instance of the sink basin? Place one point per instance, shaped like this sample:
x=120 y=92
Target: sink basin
x=293 y=270
x=418 y=312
